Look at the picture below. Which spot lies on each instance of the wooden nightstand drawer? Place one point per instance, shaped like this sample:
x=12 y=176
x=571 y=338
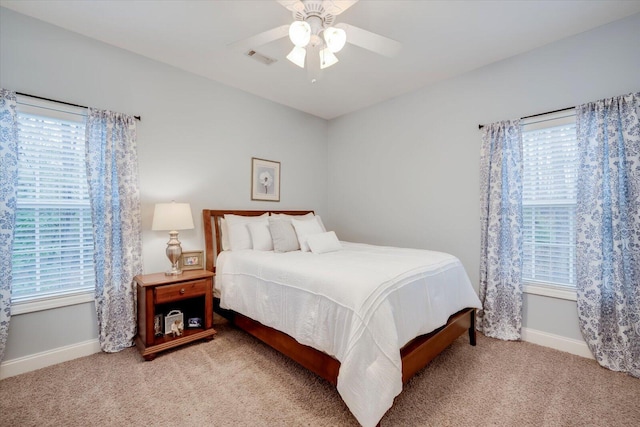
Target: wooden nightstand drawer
x=170 y=293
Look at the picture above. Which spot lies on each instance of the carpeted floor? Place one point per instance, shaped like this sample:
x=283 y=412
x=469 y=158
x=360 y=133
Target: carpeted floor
x=235 y=380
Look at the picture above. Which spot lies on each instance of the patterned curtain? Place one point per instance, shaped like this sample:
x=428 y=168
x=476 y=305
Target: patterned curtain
x=8 y=184
x=608 y=230
x=112 y=171
x=501 y=231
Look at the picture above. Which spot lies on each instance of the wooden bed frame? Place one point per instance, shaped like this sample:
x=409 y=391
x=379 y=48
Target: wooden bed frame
x=415 y=355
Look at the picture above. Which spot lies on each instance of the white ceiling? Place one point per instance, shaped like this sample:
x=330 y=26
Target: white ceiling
x=441 y=39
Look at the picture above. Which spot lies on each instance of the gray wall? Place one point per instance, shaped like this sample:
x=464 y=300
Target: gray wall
x=406 y=172
x=195 y=144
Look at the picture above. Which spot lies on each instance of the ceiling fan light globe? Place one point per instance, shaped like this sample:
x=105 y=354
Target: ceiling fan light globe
x=335 y=38
x=300 y=33
x=297 y=56
x=327 y=58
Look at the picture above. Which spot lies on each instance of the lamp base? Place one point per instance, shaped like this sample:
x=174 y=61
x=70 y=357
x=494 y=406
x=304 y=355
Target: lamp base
x=174 y=251
x=173 y=273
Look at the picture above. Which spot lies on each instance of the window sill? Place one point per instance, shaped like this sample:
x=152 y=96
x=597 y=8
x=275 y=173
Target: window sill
x=549 y=290
x=24 y=307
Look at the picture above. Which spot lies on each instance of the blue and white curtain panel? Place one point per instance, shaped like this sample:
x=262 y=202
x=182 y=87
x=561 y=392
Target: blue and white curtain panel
x=8 y=184
x=608 y=230
x=112 y=171
x=501 y=231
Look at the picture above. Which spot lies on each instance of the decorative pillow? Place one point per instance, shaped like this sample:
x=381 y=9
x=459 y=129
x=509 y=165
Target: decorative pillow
x=324 y=242
x=283 y=235
x=260 y=236
x=304 y=229
x=239 y=237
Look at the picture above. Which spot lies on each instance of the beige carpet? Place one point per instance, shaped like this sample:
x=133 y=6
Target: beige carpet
x=236 y=381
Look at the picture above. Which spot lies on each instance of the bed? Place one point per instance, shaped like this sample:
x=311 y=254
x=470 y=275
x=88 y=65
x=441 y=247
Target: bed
x=319 y=311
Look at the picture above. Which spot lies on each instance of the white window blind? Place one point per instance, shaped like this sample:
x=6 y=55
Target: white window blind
x=53 y=246
x=550 y=153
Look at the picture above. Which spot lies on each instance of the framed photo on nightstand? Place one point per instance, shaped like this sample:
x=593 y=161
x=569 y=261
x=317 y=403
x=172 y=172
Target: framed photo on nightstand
x=191 y=260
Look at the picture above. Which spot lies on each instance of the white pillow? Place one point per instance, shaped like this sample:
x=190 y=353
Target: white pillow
x=304 y=229
x=224 y=230
x=321 y=223
x=283 y=235
x=324 y=242
x=260 y=236
x=239 y=237
x=287 y=216
x=305 y=217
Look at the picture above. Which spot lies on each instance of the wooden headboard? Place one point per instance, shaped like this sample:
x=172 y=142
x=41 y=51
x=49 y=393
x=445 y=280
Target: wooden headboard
x=213 y=233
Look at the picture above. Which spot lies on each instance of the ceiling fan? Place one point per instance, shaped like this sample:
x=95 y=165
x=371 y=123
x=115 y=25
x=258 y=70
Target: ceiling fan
x=316 y=38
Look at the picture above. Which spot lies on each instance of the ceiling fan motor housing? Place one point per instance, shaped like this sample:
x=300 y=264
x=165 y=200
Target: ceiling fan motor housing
x=315 y=15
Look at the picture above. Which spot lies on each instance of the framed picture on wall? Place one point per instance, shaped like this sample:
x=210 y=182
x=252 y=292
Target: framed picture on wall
x=265 y=180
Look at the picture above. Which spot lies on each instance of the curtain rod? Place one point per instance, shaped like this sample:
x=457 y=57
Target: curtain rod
x=539 y=114
x=61 y=102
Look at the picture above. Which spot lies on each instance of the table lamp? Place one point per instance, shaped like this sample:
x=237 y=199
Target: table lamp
x=172 y=217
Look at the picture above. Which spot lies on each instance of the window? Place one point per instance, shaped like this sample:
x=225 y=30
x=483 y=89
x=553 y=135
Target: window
x=550 y=152
x=53 y=245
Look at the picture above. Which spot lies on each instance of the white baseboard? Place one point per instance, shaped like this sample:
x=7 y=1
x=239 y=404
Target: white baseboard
x=569 y=345
x=20 y=365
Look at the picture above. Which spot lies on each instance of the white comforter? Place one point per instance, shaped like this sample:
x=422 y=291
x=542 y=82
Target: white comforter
x=360 y=305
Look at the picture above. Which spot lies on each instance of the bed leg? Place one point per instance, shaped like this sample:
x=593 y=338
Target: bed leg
x=472 y=328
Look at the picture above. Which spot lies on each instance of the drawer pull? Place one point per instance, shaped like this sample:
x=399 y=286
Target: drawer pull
x=182 y=291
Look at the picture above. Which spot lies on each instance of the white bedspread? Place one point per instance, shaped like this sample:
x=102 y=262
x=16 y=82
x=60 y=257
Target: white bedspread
x=361 y=305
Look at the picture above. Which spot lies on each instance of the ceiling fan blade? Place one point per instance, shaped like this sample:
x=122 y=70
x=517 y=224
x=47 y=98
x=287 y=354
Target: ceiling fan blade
x=292 y=5
x=371 y=41
x=261 y=39
x=336 y=7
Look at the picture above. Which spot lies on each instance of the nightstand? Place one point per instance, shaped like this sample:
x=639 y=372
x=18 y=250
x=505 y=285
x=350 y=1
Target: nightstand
x=190 y=293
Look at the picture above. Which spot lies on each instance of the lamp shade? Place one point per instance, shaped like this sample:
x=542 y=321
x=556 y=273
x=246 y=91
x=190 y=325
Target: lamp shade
x=297 y=56
x=172 y=216
x=300 y=33
x=327 y=58
x=335 y=38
